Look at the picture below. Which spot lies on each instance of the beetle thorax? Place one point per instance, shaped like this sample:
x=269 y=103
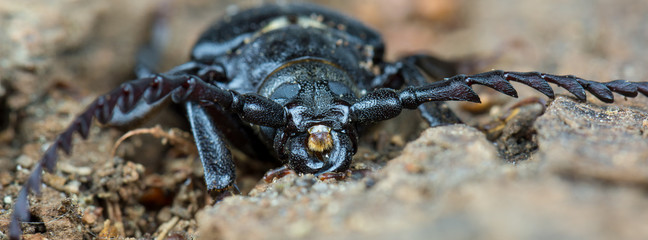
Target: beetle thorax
x=316 y=105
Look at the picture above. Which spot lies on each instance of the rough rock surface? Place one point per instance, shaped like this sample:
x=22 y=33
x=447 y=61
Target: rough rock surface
x=606 y=143
x=405 y=198
x=451 y=184
x=576 y=171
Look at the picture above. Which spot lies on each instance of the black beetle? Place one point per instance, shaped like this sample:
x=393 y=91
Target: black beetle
x=305 y=78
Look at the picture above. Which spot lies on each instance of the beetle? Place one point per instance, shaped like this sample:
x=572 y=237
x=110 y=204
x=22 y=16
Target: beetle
x=302 y=80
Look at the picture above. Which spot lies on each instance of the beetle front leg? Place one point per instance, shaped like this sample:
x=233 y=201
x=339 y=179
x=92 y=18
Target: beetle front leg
x=214 y=154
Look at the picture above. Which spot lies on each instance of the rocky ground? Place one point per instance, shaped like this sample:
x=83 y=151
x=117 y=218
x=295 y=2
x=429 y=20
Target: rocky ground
x=528 y=168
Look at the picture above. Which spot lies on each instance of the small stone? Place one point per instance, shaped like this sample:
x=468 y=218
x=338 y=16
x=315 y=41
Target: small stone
x=55 y=181
x=72 y=187
x=89 y=217
x=79 y=170
x=164 y=215
x=25 y=161
x=398 y=140
x=299 y=229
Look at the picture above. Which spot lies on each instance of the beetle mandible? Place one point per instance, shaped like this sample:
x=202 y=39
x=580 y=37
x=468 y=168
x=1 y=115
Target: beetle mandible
x=305 y=78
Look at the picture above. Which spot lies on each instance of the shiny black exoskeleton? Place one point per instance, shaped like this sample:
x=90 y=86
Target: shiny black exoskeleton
x=305 y=78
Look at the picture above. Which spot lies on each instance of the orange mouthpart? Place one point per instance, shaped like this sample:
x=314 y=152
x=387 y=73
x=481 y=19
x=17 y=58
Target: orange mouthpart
x=320 y=142
x=320 y=138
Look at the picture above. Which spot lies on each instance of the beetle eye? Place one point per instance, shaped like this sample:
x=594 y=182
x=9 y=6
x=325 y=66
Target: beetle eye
x=285 y=91
x=339 y=89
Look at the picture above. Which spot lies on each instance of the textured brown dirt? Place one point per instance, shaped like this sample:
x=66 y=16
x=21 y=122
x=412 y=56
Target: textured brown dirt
x=578 y=171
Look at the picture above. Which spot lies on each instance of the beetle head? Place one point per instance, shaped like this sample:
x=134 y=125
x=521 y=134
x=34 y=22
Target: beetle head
x=317 y=143
x=319 y=136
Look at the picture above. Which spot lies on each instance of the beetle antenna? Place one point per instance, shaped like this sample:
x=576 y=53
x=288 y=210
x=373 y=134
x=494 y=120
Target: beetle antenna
x=135 y=100
x=382 y=103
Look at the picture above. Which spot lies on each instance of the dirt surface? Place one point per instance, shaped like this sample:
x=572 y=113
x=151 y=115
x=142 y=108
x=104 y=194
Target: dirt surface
x=532 y=168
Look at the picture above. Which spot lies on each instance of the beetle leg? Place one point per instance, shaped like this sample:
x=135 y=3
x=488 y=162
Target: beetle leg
x=433 y=67
x=237 y=133
x=214 y=155
x=406 y=71
x=273 y=174
x=383 y=103
x=435 y=113
x=214 y=129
